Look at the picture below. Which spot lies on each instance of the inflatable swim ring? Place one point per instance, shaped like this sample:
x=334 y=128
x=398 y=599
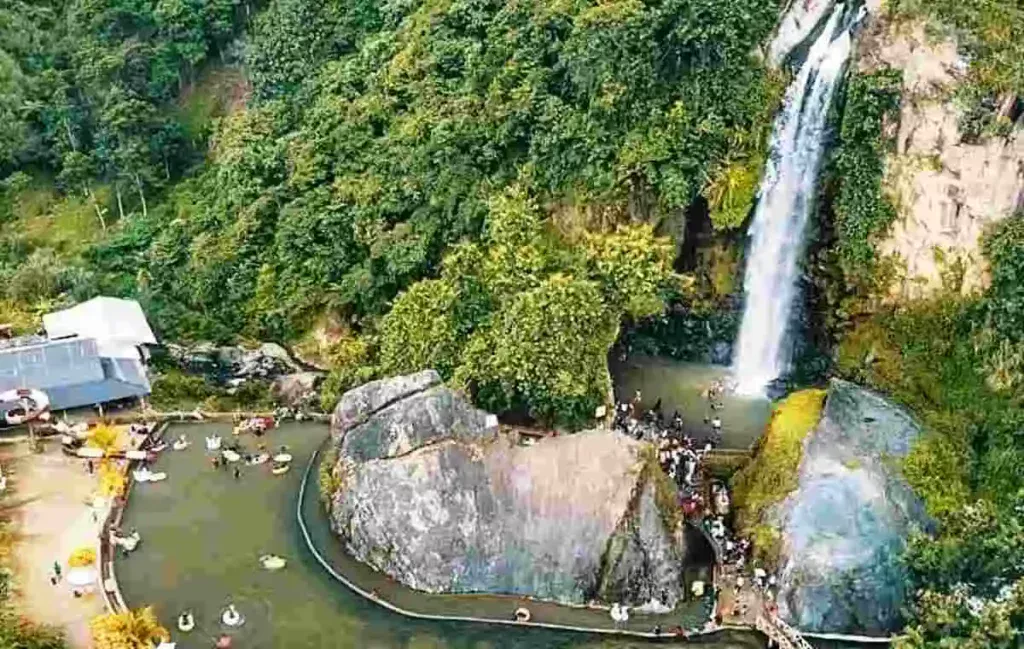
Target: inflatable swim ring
x=34 y=405
x=283 y=457
x=231 y=456
x=231 y=616
x=262 y=458
x=129 y=543
x=272 y=562
x=280 y=470
x=145 y=475
x=180 y=445
x=186 y=622
x=522 y=614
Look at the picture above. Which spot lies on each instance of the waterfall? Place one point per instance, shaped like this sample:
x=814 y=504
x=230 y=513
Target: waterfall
x=786 y=196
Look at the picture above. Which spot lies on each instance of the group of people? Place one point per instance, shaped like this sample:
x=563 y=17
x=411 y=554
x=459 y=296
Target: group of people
x=235 y=454
x=681 y=457
x=679 y=453
x=763 y=584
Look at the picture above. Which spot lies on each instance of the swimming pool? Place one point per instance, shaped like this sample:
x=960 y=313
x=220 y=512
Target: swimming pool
x=203 y=532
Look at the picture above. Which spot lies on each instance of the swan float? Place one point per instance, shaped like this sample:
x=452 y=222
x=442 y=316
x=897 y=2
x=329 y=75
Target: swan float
x=231 y=616
x=186 y=622
x=231 y=456
x=213 y=443
x=180 y=444
x=272 y=562
x=145 y=475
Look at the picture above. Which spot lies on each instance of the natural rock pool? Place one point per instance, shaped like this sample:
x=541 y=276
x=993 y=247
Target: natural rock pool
x=203 y=532
x=681 y=386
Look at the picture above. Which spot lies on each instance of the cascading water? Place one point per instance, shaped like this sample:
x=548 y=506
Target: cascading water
x=786 y=197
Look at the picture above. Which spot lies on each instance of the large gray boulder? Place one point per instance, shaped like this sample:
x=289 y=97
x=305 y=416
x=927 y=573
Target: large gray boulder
x=846 y=525
x=434 y=496
x=358 y=404
x=395 y=416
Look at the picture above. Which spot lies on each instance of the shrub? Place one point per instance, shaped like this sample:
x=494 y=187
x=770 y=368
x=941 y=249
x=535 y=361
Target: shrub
x=132 y=629
x=174 y=389
x=17 y=632
x=112 y=480
x=105 y=438
x=82 y=557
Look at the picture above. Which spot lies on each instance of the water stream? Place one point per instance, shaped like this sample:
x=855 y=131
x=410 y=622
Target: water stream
x=786 y=196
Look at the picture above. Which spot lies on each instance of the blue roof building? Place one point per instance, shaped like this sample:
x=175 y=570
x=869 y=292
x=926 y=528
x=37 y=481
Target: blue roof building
x=70 y=371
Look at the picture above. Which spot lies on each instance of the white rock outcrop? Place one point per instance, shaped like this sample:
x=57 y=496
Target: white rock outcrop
x=947 y=192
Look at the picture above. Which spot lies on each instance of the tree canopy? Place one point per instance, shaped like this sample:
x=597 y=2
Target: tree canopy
x=525 y=319
x=379 y=134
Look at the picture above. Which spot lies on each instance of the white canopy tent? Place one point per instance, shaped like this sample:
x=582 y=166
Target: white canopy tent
x=118 y=326
x=81 y=577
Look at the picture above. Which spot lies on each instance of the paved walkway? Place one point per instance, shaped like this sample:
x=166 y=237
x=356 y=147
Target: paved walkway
x=51 y=520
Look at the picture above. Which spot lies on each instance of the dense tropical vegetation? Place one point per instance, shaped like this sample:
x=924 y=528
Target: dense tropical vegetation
x=526 y=319
x=364 y=140
x=955 y=362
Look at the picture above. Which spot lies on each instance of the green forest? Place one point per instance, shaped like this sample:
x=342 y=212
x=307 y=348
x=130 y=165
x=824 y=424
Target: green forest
x=501 y=191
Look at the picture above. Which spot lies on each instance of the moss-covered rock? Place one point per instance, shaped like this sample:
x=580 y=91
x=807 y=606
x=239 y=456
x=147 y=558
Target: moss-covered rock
x=845 y=526
x=772 y=475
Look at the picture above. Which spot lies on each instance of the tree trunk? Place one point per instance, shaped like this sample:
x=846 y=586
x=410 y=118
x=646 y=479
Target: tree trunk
x=1006 y=105
x=96 y=206
x=142 y=196
x=71 y=136
x=120 y=205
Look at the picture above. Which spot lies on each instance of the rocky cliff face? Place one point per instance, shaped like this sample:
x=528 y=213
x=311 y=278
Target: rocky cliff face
x=432 y=495
x=946 y=190
x=846 y=525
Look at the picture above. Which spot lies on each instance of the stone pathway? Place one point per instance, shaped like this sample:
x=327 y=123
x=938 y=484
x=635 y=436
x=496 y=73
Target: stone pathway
x=740 y=607
x=51 y=520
